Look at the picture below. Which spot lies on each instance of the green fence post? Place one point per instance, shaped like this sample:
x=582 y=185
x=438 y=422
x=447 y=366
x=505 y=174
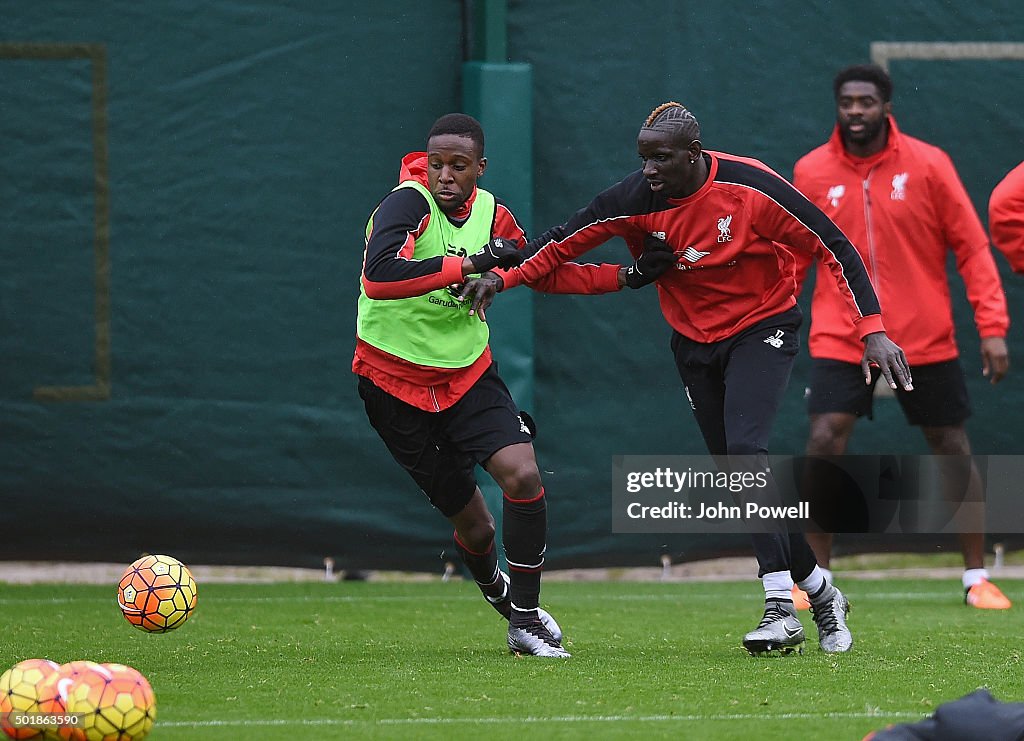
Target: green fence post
x=499 y=94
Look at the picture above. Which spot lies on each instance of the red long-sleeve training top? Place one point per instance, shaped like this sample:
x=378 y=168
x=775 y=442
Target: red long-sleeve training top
x=733 y=270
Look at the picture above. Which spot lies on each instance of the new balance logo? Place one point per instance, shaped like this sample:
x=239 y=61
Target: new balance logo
x=692 y=254
x=658 y=235
x=724 y=235
x=775 y=340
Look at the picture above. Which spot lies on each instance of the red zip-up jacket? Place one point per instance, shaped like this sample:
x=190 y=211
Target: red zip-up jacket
x=732 y=271
x=391 y=271
x=903 y=208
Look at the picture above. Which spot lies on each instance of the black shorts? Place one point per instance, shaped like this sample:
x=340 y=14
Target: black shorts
x=440 y=450
x=939 y=398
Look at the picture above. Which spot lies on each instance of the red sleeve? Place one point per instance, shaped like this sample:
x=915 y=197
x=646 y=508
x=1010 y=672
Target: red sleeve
x=506 y=225
x=606 y=216
x=964 y=233
x=574 y=278
x=803 y=261
x=1006 y=217
x=570 y=277
x=558 y=246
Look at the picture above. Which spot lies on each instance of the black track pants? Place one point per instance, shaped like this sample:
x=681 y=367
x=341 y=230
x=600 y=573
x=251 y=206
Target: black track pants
x=735 y=387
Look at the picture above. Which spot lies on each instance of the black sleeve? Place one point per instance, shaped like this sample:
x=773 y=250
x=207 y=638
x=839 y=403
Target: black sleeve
x=598 y=220
x=398 y=218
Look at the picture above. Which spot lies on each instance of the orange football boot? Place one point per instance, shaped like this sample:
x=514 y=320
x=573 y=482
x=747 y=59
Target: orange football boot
x=986 y=596
x=800 y=600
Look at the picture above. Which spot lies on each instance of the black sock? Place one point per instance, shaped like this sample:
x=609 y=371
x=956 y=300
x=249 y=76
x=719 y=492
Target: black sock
x=524 y=533
x=483 y=567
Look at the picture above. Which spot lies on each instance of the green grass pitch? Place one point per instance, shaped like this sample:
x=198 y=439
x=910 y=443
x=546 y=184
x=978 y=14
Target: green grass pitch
x=428 y=660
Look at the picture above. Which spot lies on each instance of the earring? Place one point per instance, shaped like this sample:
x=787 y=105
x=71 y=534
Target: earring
x=692 y=161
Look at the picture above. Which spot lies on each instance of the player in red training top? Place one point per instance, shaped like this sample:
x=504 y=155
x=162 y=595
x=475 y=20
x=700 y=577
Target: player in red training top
x=730 y=302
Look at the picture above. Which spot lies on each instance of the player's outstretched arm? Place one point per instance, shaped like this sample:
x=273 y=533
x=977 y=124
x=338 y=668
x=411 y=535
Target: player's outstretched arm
x=498 y=253
x=888 y=356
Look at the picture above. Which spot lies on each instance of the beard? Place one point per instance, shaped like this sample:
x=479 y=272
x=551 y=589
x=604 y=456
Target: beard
x=869 y=133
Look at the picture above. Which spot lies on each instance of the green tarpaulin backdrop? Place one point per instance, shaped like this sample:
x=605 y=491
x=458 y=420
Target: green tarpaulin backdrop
x=184 y=187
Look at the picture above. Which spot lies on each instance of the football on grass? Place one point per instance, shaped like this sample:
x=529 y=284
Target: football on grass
x=113 y=701
x=53 y=694
x=19 y=693
x=157 y=594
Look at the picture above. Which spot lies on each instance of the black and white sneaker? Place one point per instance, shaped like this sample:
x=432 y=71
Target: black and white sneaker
x=779 y=630
x=829 y=611
x=503 y=605
x=533 y=639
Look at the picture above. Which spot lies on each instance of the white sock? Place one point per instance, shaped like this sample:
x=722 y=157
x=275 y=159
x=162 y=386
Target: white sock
x=973 y=576
x=827 y=573
x=778 y=585
x=814 y=582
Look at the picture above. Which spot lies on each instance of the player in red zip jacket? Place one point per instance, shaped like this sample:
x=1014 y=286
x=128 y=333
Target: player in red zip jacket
x=902 y=204
x=729 y=299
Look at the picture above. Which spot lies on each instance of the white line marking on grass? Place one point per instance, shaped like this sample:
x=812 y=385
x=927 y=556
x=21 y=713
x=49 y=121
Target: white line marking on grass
x=540 y=719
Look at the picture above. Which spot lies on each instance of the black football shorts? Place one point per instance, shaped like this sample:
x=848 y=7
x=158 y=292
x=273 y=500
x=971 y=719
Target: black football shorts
x=441 y=450
x=939 y=398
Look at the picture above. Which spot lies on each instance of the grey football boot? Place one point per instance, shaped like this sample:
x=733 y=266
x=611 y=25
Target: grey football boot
x=534 y=639
x=779 y=630
x=503 y=605
x=549 y=622
x=829 y=610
